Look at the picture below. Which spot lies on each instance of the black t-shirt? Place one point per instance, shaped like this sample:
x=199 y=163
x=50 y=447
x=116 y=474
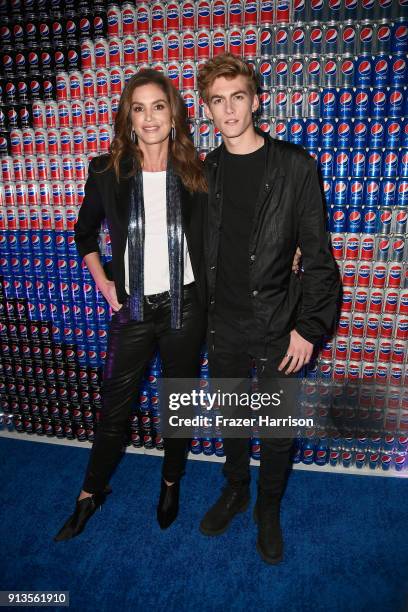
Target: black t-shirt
x=242 y=179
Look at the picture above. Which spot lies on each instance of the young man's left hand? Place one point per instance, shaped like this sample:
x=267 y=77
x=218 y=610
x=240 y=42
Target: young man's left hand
x=298 y=354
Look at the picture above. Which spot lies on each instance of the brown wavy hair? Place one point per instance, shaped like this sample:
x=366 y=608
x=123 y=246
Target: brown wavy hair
x=182 y=152
x=226 y=65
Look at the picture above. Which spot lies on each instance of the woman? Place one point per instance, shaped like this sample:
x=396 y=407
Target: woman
x=150 y=189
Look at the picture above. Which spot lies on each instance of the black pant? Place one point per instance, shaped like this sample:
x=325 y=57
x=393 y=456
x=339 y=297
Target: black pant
x=231 y=354
x=130 y=346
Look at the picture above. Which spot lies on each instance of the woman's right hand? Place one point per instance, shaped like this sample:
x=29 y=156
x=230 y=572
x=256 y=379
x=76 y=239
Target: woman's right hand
x=108 y=290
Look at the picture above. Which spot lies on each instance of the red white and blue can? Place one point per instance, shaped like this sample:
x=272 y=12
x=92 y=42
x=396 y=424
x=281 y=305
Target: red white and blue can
x=389 y=164
x=313 y=103
x=399 y=38
x=330 y=71
x=250 y=12
x=282 y=39
x=281 y=72
x=283 y=11
x=353 y=220
x=315 y=42
x=173 y=45
x=395 y=102
x=329 y=103
x=312 y=133
x=381 y=71
x=345 y=103
x=360 y=133
x=331 y=38
x=347 y=72
x=398 y=72
x=402 y=192
x=337 y=219
x=349 y=38
x=173 y=16
x=296 y=131
x=364 y=71
x=342 y=163
x=392 y=134
x=326 y=163
x=266 y=12
x=297 y=72
x=298 y=39
x=235 y=13
x=265 y=71
x=265 y=41
x=361 y=104
x=343 y=134
x=376 y=134
x=340 y=192
x=356 y=192
x=235 y=41
x=379 y=103
x=314 y=71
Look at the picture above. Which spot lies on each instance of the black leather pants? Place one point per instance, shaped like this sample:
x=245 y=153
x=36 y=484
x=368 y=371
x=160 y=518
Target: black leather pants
x=231 y=357
x=130 y=346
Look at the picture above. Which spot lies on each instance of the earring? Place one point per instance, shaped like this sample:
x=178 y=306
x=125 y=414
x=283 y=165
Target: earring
x=173 y=133
x=133 y=136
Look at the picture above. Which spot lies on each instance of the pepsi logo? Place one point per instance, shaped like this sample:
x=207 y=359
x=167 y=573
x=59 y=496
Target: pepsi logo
x=297 y=98
x=329 y=99
x=297 y=68
x=281 y=98
x=349 y=35
x=379 y=99
x=142 y=16
x=313 y=98
x=265 y=99
x=298 y=36
x=331 y=36
x=281 y=37
x=361 y=99
x=401 y=34
x=384 y=33
x=330 y=68
x=343 y=129
x=203 y=40
x=265 y=38
x=265 y=69
x=395 y=98
x=314 y=68
x=219 y=40
x=399 y=66
x=345 y=99
x=250 y=8
x=312 y=129
x=281 y=68
x=326 y=158
x=377 y=129
x=366 y=34
x=316 y=5
x=316 y=36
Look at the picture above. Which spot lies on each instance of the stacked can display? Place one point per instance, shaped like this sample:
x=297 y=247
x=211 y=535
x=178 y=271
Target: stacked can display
x=333 y=77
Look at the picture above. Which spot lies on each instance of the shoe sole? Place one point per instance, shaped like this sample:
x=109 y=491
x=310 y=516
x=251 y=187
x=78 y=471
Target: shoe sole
x=270 y=560
x=224 y=529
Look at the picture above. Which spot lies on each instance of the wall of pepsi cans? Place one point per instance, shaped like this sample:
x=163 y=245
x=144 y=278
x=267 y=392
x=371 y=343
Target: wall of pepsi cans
x=333 y=75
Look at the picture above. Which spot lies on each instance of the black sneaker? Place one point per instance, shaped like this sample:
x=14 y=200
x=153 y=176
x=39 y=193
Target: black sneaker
x=233 y=499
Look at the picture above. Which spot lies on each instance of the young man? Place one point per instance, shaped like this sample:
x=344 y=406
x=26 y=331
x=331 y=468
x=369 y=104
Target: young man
x=264 y=202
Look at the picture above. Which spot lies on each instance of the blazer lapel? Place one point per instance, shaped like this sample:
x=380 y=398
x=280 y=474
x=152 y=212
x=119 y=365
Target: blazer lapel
x=122 y=195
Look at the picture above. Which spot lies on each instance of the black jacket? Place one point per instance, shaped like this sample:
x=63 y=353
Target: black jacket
x=105 y=198
x=289 y=212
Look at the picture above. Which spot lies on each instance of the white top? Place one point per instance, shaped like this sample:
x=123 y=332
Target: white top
x=156 y=252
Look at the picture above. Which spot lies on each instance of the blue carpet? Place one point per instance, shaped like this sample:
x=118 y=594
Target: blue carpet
x=346 y=540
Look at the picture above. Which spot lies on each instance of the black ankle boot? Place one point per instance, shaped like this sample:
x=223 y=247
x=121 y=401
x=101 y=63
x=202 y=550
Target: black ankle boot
x=168 y=505
x=234 y=498
x=267 y=515
x=84 y=509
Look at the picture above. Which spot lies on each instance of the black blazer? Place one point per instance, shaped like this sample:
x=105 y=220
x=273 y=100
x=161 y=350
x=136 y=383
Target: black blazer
x=106 y=198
